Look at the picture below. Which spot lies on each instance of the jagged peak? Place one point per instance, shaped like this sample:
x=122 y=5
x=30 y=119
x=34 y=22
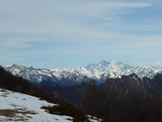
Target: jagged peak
x=99 y=71
x=17 y=66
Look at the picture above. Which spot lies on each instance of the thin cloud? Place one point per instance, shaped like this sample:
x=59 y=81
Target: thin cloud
x=90 y=27
x=55 y=20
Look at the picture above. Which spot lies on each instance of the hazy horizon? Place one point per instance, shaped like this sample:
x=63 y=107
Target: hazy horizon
x=130 y=64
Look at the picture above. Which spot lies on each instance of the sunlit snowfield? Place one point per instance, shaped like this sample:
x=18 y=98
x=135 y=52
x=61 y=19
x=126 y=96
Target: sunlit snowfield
x=24 y=108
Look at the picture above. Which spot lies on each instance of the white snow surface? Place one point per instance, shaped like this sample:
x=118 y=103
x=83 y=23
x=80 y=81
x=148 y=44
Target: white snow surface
x=116 y=69
x=61 y=75
x=98 y=71
x=10 y=100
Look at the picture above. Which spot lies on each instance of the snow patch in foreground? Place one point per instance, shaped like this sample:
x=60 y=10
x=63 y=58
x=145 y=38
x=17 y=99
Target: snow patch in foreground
x=28 y=108
x=25 y=108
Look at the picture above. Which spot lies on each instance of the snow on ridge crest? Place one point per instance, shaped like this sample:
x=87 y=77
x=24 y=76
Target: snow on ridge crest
x=98 y=71
x=116 y=69
x=62 y=74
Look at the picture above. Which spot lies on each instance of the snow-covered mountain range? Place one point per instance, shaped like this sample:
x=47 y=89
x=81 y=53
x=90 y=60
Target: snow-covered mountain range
x=70 y=76
x=116 y=69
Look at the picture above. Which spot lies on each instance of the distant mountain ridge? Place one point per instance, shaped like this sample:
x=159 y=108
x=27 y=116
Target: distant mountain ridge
x=72 y=76
x=116 y=69
x=59 y=77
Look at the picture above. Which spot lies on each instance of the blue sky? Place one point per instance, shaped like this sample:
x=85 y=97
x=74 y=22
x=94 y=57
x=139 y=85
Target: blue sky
x=61 y=33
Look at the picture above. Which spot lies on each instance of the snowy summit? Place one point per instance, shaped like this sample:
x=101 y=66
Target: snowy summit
x=71 y=76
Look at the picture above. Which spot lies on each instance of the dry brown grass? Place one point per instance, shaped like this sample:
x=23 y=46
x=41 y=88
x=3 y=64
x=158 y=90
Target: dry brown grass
x=11 y=114
x=8 y=113
x=3 y=90
x=68 y=110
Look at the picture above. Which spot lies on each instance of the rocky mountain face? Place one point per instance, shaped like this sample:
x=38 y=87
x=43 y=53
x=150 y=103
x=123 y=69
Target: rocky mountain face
x=56 y=77
x=73 y=76
x=71 y=83
x=133 y=84
x=124 y=86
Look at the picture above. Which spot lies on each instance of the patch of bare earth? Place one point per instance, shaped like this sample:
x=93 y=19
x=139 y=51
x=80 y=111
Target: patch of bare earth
x=16 y=114
x=4 y=92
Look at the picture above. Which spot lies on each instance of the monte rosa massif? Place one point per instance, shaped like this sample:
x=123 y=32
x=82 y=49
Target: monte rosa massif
x=73 y=76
